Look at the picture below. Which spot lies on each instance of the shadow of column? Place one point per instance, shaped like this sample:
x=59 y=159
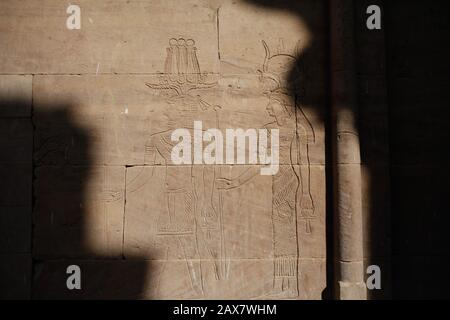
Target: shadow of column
x=55 y=211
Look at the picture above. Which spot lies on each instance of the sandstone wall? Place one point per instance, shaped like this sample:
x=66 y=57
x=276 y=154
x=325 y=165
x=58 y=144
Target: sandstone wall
x=87 y=118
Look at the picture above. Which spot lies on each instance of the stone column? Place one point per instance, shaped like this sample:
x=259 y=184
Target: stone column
x=349 y=270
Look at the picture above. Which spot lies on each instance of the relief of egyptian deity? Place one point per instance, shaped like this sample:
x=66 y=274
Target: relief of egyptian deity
x=193 y=206
x=194 y=195
x=280 y=75
x=289 y=186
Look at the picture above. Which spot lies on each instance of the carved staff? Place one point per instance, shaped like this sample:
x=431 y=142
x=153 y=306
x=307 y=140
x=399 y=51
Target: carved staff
x=224 y=264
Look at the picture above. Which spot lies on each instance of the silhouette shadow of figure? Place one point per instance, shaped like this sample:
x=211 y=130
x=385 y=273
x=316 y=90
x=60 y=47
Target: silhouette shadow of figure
x=71 y=214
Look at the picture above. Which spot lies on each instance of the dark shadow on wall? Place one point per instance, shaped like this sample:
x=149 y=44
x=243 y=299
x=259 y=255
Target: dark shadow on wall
x=15 y=198
x=55 y=209
x=374 y=128
x=418 y=83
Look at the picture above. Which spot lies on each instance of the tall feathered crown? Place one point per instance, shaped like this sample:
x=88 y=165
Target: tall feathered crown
x=280 y=71
x=181 y=69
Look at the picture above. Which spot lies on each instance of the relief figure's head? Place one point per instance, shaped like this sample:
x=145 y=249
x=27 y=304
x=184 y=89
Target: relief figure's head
x=280 y=107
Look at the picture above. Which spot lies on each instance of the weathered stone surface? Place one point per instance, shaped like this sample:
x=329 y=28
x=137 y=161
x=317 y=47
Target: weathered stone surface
x=106 y=99
x=246 y=279
x=186 y=214
x=312 y=278
x=15 y=229
x=350 y=218
x=15 y=96
x=121 y=127
x=154 y=279
x=347 y=152
x=79 y=211
x=163 y=204
x=284 y=43
x=245 y=103
x=240 y=42
x=16 y=284
x=92 y=119
x=352 y=291
x=115 y=36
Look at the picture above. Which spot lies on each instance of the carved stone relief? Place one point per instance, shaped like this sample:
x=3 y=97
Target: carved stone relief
x=199 y=231
x=214 y=218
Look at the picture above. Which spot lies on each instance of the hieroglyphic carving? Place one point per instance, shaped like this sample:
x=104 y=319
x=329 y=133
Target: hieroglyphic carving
x=193 y=213
x=280 y=74
x=194 y=208
x=286 y=109
x=182 y=70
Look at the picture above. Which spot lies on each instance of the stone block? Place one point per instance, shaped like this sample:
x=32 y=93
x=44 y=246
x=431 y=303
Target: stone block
x=78 y=211
x=101 y=123
x=16 y=141
x=176 y=213
x=15 y=96
x=115 y=36
x=243 y=26
x=141 y=279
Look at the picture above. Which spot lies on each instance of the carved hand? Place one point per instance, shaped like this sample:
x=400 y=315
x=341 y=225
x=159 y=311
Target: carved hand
x=307 y=207
x=226 y=184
